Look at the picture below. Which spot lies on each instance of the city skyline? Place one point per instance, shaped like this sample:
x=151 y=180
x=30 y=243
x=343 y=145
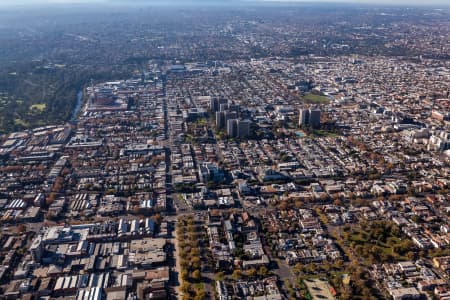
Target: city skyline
x=206 y=150
x=442 y=3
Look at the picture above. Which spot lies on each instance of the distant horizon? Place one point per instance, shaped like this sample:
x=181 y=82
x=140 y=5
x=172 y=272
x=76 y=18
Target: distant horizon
x=442 y=3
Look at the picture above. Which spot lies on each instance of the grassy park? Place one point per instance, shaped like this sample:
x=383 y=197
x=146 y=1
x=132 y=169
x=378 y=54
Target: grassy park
x=378 y=241
x=316 y=99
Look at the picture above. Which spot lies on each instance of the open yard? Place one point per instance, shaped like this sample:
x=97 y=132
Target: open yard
x=39 y=107
x=316 y=99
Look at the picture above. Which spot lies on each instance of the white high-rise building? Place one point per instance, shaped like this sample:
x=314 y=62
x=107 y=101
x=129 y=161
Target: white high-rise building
x=303 y=119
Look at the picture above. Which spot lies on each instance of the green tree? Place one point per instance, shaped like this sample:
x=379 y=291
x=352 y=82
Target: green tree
x=252 y=272
x=184 y=275
x=196 y=275
x=200 y=294
x=237 y=274
x=185 y=287
x=263 y=271
x=195 y=262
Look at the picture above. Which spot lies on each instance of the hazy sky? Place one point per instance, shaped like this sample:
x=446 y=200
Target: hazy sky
x=403 y=2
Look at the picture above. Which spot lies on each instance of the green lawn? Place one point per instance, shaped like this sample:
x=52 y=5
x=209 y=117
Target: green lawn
x=316 y=99
x=21 y=122
x=39 y=106
x=377 y=247
x=324 y=133
x=199 y=286
x=202 y=121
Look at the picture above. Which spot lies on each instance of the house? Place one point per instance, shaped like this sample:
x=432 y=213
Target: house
x=410 y=293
